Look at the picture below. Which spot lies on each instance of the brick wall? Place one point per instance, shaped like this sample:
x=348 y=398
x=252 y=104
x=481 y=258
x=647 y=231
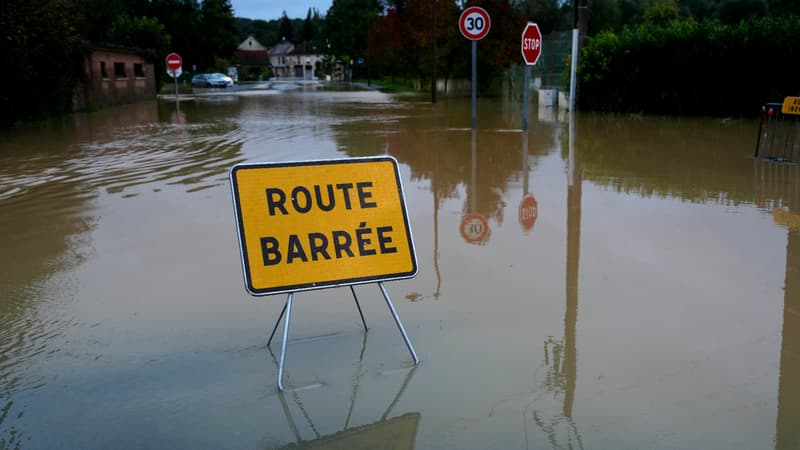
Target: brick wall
x=113 y=77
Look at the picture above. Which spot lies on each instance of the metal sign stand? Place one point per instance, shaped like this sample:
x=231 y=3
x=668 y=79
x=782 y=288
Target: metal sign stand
x=292 y=424
x=287 y=310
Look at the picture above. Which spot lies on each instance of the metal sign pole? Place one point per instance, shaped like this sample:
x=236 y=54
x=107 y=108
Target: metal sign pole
x=399 y=324
x=573 y=70
x=175 y=77
x=285 y=340
x=287 y=310
x=474 y=82
x=525 y=97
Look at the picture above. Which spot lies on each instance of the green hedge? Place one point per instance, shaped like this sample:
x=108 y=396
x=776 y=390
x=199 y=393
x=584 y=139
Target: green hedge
x=692 y=68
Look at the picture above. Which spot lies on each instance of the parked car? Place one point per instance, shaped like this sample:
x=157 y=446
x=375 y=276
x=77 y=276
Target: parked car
x=211 y=80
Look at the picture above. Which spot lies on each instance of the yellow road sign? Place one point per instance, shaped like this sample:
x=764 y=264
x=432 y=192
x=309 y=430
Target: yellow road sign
x=791 y=105
x=315 y=224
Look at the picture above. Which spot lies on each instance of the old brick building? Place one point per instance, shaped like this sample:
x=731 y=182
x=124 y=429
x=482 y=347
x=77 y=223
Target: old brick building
x=112 y=77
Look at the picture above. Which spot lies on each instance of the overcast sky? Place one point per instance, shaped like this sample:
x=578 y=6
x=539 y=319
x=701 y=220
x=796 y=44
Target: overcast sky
x=272 y=9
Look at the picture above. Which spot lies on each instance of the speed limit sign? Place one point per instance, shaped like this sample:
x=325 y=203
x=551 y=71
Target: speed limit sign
x=474 y=23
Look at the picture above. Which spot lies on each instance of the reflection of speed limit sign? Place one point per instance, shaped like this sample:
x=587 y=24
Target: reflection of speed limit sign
x=474 y=23
x=474 y=228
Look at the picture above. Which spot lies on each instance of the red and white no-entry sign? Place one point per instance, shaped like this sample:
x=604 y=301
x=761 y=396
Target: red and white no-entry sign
x=174 y=62
x=474 y=23
x=531 y=43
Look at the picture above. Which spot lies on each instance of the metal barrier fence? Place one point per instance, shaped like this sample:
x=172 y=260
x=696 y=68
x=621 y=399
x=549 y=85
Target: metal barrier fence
x=552 y=69
x=777 y=185
x=778 y=135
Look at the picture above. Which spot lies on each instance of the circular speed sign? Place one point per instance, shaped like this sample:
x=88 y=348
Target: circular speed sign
x=174 y=62
x=474 y=23
x=474 y=228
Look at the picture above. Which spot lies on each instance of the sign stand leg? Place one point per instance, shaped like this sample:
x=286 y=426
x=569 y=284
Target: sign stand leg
x=359 y=308
x=288 y=308
x=397 y=321
x=278 y=322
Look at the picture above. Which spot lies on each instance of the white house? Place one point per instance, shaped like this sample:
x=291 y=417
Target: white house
x=290 y=61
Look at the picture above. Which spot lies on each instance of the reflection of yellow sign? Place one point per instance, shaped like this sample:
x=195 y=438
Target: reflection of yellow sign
x=791 y=105
x=399 y=433
x=315 y=224
x=785 y=218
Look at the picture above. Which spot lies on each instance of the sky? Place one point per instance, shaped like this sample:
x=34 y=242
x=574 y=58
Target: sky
x=273 y=9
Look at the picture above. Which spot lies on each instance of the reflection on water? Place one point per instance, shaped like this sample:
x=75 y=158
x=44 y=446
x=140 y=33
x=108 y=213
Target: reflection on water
x=390 y=433
x=654 y=303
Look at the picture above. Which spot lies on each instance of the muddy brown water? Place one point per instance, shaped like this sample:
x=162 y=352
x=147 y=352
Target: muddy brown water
x=653 y=303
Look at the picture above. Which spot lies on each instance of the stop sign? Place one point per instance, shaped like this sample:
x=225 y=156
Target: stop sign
x=174 y=62
x=531 y=43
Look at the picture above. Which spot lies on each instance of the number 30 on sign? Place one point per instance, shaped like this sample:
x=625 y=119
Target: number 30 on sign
x=474 y=23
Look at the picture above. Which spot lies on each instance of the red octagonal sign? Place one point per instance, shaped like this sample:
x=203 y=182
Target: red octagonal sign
x=531 y=43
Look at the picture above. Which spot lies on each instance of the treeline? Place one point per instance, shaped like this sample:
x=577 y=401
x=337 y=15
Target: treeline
x=687 y=67
x=651 y=54
x=270 y=32
x=45 y=41
x=726 y=59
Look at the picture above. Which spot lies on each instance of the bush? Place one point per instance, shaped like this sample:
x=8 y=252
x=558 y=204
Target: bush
x=691 y=68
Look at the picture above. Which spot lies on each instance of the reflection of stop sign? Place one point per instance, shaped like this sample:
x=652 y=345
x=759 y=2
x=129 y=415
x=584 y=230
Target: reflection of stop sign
x=531 y=43
x=528 y=212
x=174 y=62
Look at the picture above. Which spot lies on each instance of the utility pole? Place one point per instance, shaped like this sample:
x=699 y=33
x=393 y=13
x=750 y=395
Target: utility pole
x=580 y=26
x=433 y=71
x=580 y=19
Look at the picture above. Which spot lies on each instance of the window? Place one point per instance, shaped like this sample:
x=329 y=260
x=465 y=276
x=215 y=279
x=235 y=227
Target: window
x=138 y=70
x=119 y=70
x=103 y=70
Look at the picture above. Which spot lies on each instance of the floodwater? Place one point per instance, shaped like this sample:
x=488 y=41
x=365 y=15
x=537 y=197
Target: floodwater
x=653 y=300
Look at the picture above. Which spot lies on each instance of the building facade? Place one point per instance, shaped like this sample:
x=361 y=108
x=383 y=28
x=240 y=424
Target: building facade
x=113 y=77
x=292 y=62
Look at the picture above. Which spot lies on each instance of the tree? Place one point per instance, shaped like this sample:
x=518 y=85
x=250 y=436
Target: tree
x=181 y=20
x=144 y=33
x=42 y=56
x=784 y=7
x=550 y=15
x=604 y=15
x=347 y=26
x=734 y=11
x=699 y=10
x=285 y=30
x=308 y=27
x=661 y=12
x=218 y=39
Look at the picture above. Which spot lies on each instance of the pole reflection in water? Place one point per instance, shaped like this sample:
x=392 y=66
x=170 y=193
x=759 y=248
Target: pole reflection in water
x=398 y=432
x=788 y=432
x=474 y=225
x=777 y=186
x=436 y=205
x=561 y=356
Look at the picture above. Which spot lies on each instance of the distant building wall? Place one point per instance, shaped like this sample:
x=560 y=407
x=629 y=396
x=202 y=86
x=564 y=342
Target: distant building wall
x=114 y=77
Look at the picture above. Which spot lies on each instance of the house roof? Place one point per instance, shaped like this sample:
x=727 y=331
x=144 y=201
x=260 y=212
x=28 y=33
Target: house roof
x=282 y=48
x=251 y=58
x=251 y=44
